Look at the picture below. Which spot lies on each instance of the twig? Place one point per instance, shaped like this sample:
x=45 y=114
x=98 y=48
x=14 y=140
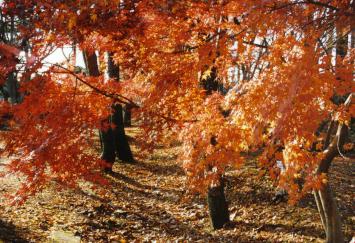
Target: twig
x=304 y=2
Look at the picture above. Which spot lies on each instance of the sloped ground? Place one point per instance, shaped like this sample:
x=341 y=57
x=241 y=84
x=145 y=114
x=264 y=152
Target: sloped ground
x=147 y=201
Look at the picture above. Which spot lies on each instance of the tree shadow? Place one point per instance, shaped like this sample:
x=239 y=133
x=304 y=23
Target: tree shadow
x=92 y=196
x=137 y=184
x=123 y=185
x=129 y=180
x=143 y=191
x=303 y=230
x=10 y=233
x=159 y=169
x=182 y=229
x=307 y=201
x=256 y=195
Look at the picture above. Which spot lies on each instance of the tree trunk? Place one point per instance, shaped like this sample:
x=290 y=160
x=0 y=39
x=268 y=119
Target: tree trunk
x=328 y=211
x=91 y=64
x=106 y=135
x=11 y=87
x=320 y=208
x=325 y=197
x=123 y=150
x=108 y=147
x=217 y=205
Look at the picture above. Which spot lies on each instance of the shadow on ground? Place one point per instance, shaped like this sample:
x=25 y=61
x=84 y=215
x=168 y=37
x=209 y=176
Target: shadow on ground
x=9 y=233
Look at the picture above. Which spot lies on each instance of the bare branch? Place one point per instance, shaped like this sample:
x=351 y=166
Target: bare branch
x=325 y=5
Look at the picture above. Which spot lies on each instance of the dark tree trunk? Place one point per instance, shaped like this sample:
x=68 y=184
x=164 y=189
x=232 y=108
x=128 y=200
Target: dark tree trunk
x=106 y=135
x=123 y=149
x=217 y=206
x=108 y=147
x=91 y=64
x=11 y=86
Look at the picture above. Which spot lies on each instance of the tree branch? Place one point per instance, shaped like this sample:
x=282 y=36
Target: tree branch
x=338 y=141
x=255 y=44
x=116 y=97
x=325 y=5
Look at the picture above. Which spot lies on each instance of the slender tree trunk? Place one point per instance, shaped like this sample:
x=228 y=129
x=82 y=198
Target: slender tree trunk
x=106 y=135
x=217 y=206
x=320 y=209
x=325 y=197
x=123 y=149
x=329 y=214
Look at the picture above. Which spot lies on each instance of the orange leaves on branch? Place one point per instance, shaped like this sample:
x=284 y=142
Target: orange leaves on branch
x=59 y=118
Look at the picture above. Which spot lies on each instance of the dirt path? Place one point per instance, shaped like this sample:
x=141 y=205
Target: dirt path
x=147 y=202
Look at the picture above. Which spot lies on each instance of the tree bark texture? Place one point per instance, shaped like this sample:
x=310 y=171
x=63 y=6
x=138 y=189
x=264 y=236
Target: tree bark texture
x=217 y=206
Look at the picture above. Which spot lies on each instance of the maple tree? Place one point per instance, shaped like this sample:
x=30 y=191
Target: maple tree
x=274 y=60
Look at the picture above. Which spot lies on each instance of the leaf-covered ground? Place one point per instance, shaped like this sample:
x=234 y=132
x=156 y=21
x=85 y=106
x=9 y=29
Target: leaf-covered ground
x=147 y=201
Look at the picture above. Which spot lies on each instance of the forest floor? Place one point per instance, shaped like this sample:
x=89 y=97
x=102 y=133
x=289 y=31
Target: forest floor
x=148 y=202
